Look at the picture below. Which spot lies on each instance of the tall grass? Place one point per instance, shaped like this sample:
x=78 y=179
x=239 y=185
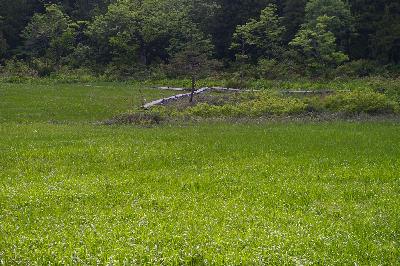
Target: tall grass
x=72 y=192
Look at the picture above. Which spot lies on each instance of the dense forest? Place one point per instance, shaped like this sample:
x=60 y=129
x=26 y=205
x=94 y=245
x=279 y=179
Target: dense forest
x=258 y=38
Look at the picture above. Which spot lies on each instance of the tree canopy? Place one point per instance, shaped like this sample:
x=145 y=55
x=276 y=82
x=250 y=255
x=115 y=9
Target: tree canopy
x=132 y=35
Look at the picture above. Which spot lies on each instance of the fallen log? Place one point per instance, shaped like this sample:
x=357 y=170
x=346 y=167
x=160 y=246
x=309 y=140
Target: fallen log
x=232 y=90
x=179 y=96
x=212 y=88
x=312 y=91
x=172 y=98
x=171 y=89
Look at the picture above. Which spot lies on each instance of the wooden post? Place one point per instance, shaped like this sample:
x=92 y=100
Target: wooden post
x=193 y=88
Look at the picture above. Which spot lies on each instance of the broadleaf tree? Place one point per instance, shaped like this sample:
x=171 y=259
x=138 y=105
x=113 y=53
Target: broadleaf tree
x=260 y=38
x=193 y=59
x=340 y=22
x=3 y=41
x=138 y=33
x=317 y=45
x=293 y=17
x=50 y=35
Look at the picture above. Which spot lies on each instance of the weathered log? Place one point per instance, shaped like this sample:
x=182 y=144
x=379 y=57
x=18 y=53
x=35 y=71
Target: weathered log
x=179 y=96
x=172 y=98
x=212 y=88
x=171 y=89
x=312 y=91
x=232 y=90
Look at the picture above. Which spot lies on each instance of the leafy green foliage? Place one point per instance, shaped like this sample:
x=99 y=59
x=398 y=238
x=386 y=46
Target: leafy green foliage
x=15 y=68
x=50 y=35
x=293 y=17
x=341 y=20
x=361 y=102
x=317 y=46
x=14 y=16
x=386 y=41
x=3 y=41
x=235 y=83
x=227 y=18
x=83 y=9
x=260 y=38
x=131 y=38
x=287 y=69
x=138 y=33
x=193 y=57
x=377 y=25
x=360 y=68
x=265 y=105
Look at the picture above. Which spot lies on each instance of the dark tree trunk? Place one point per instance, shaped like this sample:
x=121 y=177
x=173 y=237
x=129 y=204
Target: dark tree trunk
x=143 y=54
x=241 y=67
x=193 y=88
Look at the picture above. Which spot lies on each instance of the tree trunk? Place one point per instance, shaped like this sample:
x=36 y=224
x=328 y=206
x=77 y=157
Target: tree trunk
x=241 y=67
x=143 y=54
x=193 y=88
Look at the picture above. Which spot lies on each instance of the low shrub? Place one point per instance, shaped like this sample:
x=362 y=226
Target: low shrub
x=314 y=104
x=273 y=69
x=16 y=70
x=392 y=89
x=142 y=118
x=66 y=75
x=357 y=102
x=207 y=110
x=44 y=66
x=359 y=68
x=269 y=104
x=263 y=105
x=236 y=83
x=116 y=72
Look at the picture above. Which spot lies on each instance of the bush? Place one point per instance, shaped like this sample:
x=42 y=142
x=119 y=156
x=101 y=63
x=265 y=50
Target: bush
x=359 y=68
x=272 y=69
x=143 y=118
x=357 y=102
x=268 y=104
x=117 y=72
x=43 y=66
x=207 y=110
x=235 y=83
x=263 y=105
x=17 y=69
x=67 y=75
x=267 y=69
x=314 y=104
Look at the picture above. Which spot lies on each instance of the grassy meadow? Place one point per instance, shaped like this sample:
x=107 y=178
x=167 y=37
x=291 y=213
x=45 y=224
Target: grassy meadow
x=52 y=102
x=207 y=193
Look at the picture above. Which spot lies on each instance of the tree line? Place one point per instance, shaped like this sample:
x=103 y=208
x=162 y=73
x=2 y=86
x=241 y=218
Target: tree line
x=137 y=37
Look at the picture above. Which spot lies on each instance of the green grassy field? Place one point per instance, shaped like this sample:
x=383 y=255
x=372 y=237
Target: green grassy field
x=70 y=102
x=207 y=193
